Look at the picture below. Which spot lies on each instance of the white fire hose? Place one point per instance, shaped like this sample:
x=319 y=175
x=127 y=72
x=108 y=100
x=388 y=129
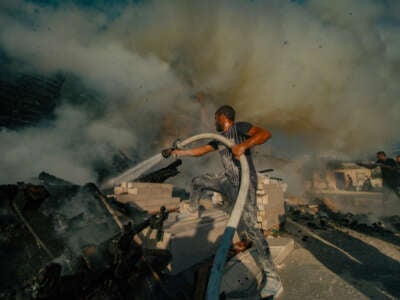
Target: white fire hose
x=214 y=281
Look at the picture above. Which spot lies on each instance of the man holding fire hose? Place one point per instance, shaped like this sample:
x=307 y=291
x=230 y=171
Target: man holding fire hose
x=245 y=136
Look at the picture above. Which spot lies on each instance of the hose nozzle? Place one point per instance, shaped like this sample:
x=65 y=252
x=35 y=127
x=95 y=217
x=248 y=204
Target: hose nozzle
x=167 y=152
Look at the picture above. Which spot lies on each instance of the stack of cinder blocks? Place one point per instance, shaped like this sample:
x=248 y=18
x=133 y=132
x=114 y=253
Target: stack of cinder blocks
x=147 y=196
x=270 y=203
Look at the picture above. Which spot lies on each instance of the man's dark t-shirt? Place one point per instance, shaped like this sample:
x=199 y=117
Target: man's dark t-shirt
x=389 y=176
x=237 y=133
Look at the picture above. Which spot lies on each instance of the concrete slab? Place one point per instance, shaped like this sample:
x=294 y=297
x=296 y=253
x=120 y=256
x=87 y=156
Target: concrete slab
x=147 y=196
x=244 y=279
x=280 y=248
x=242 y=276
x=153 y=200
x=144 y=189
x=190 y=241
x=305 y=277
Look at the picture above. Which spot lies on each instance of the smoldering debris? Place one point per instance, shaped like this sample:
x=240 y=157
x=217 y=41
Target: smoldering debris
x=49 y=179
x=78 y=248
x=163 y=174
x=323 y=215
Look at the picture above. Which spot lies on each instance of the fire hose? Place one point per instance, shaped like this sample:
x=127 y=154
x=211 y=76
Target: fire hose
x=214 y=281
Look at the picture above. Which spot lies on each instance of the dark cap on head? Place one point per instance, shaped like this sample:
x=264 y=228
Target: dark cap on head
x=227 y=111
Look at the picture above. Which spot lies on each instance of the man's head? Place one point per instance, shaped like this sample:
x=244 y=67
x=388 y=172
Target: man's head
x=398 y=159
x=224 y=117
x=381 y=155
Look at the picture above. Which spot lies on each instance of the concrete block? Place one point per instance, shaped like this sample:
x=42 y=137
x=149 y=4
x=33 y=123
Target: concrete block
x=147 y=186
x=268 y=223
x=273 y=218
x=265 y=199
x=141 y=196
x=217 y=198
x=149 y=204
x=160 y=202
x=124 y=184
x=280 y=248
x=273 y=206
x=262 y=179
x=119 y=190
x=129 y=198
x=132 y=191
x=145 y=189
x=277 y=210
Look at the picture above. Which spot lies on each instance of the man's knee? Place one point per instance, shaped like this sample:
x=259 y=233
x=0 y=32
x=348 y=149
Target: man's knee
x=198 y=182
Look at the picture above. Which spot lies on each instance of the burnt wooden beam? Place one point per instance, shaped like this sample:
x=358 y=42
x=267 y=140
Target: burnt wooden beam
x=163 y=174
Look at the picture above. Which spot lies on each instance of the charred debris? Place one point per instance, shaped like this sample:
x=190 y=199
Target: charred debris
x=323 y=214
x=60 y=240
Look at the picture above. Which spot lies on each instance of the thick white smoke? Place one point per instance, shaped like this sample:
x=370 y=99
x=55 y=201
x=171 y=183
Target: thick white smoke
x=66 y=148
x=327 y=71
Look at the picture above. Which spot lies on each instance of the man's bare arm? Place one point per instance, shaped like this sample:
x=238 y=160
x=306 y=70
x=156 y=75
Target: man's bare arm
x=198 y=151
x=258 y=136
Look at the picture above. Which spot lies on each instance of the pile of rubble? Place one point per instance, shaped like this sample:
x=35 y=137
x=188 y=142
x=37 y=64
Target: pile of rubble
x=68 y=241
x=322 y=214
x=62 y=241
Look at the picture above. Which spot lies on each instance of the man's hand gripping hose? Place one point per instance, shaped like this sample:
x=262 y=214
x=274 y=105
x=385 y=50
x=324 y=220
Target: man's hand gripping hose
x=166 y=153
